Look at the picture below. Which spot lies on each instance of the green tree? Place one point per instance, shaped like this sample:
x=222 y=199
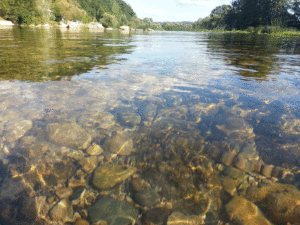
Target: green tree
x=245 y=13
x=109 y=20
x=20 y=11
x=216 y=20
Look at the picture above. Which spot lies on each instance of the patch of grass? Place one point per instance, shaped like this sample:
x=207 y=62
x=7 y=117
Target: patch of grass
x=286 y=33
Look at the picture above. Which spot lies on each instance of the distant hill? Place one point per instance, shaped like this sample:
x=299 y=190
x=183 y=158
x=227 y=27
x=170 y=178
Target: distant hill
x=111 y=12
x=97 y=8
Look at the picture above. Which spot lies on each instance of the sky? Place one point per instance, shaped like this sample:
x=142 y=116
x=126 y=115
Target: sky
x=174 y=10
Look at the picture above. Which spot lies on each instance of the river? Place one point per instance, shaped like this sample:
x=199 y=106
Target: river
x=148 y=128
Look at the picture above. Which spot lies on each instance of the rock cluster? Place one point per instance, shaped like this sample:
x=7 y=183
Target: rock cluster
x=143 y=163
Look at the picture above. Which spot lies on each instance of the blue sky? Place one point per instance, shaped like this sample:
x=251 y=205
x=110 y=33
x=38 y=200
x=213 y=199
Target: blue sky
x=174 y=10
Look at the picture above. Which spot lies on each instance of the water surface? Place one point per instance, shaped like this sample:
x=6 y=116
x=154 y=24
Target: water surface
x=168 y=97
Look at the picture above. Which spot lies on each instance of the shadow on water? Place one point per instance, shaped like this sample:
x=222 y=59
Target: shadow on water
x=41 y=54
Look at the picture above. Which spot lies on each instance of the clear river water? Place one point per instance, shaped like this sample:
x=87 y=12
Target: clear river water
x=148 y=128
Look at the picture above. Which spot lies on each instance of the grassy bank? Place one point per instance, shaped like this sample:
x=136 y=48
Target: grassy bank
x=268 y=30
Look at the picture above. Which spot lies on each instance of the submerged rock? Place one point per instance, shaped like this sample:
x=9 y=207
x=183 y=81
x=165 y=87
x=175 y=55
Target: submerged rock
x=16 y=129
x=12 y=188
x=94 y=150
x=107 y=175
x=280 y=202
x=119 y=144
x=156 y=216
x=148 y=111
x=113 y=212
x=62 y=211
x=230 y=124
x=148 y=197
x=35 y=207
x=68 y=134
x=127 y=115
x=177 y=113
x=177 y=218
x=243 y=212
x=94 y=120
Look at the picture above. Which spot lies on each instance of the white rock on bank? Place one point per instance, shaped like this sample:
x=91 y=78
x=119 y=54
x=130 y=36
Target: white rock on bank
x=124 y=28
x=6 y=23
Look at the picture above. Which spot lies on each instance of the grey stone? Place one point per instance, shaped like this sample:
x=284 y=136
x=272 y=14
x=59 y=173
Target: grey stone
x=11 y=189
x=148 y=197
x=69 y=134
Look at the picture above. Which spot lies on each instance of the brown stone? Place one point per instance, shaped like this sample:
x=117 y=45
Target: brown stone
x=64 y=193
x=243 y=212
x=82 y=222
x=267 y=171
x=227 y=157
x=280 y=202
x=107 y=175
x=94 y=150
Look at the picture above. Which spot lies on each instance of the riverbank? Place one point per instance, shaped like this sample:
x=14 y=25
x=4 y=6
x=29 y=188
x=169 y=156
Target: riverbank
x=73 y=26
x=273 y=31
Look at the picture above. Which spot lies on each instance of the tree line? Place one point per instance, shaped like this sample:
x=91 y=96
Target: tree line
x=251 y=14
x=112 y=13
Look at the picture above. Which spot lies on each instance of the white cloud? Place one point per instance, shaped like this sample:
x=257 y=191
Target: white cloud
x=206 y=3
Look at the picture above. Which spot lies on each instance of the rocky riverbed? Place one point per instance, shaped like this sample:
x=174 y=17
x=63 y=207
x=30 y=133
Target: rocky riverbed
x=160 y=138
x=145 y=162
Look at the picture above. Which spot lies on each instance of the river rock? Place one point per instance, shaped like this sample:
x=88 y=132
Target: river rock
x=62 y=211
x=177 y=218
x=64 y=192
x=119 y=144
x=235 y=174
x=129 y=119
x=89 y=163
x=148 y=197
x=94 y=120
x=229 y=185
x=148 y=111
x=107 y=175
x=156 y=216
x=230 y=124
x=68 y=134
x=34 y=207
x=81 y=222
x=243 y=212
x=16 y=129
x=201 y=109
x=280 y=202
x=127 y=115
x=112 y=211
x=94 y=150
x=267 y=171
x=10 y=115
x=12 y=188
x=177 y=113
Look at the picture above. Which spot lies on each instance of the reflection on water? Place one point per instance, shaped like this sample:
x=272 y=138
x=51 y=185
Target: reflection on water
x=40 y=55
x=180 y=128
